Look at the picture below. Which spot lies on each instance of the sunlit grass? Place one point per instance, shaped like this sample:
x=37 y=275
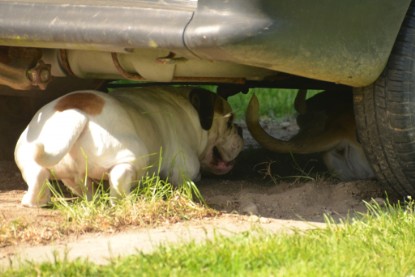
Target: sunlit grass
x=379 y=243
x=153 y=201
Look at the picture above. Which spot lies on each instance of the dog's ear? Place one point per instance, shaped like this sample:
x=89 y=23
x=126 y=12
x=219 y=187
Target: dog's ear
x=204 y=103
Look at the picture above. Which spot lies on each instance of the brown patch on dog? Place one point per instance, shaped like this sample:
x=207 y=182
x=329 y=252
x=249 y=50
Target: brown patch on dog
x=90 y=103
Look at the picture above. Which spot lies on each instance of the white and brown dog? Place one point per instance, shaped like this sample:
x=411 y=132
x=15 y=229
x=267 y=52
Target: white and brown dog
x=125 y=135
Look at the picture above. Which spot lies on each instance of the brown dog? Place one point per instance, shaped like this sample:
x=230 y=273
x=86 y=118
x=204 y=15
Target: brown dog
x=327 y=125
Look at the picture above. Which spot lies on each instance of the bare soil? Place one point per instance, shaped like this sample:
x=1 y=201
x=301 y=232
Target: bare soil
x=274 y=191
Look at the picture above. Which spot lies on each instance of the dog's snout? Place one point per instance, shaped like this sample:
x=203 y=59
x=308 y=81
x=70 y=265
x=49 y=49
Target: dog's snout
x=239 y=130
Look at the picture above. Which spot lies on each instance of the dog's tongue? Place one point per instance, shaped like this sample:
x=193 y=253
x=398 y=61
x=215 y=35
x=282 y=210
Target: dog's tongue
x=221 y=166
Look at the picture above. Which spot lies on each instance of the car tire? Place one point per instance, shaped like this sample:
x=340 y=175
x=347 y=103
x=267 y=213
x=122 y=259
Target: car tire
x=385 y=115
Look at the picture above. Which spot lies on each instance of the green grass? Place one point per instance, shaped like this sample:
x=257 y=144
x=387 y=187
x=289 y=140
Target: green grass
x=152 y=201
x=275 y=103
x=380 y=243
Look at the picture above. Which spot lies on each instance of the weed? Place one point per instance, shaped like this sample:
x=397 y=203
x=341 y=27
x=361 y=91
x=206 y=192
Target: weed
x=152 y=201
x=305 y=173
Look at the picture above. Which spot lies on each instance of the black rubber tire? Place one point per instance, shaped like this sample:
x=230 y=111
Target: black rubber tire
x=385 y=115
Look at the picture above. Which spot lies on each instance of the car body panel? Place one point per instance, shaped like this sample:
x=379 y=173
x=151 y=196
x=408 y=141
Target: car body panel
x=344 y=42
x=94 y=25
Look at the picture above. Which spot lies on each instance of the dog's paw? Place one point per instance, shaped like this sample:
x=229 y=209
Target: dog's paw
x=30 y=201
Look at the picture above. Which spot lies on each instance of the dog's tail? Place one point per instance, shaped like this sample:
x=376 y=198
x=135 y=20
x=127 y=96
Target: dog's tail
x=59 y=133
x=301 y=143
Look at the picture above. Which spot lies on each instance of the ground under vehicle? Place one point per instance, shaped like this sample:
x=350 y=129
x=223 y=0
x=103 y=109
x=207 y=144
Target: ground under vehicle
x=235 y=43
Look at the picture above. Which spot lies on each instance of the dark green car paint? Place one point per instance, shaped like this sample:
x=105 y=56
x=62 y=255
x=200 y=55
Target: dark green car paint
x=345 y=42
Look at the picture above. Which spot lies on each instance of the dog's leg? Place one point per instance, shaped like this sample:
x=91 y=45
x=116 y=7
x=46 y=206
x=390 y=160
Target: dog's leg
x=358 y=163
x=337 y=164
x=183 y=168
x=38 y=194
x=80 y=187
x=348 y=162
x=120 y=178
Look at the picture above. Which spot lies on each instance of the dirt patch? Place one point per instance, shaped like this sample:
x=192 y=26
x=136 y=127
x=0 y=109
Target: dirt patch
x=277 y=192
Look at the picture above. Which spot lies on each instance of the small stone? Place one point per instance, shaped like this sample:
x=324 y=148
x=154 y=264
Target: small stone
x=254 y=219
x=264 y=220
x=249 y=208
x=380 y=201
